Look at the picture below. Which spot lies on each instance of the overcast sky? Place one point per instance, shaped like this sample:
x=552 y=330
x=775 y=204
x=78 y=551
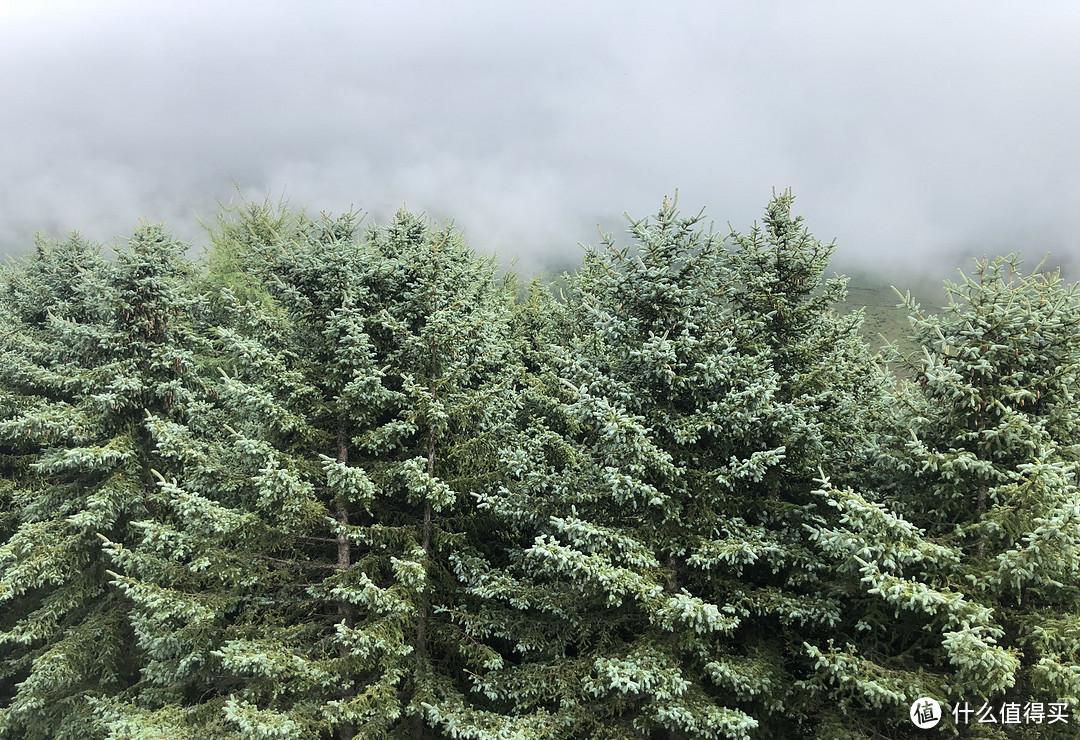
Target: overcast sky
x=914 y=133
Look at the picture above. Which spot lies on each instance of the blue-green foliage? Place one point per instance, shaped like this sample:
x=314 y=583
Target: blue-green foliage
x=989 y=465
x=667 y=576
x=362 y=386
x=344 y=483
x=93 y=354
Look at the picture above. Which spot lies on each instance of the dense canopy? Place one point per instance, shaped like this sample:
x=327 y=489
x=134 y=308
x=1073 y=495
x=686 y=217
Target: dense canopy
x=347 y=481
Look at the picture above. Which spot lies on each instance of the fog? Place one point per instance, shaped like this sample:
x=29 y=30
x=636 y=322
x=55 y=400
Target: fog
x=917 y=135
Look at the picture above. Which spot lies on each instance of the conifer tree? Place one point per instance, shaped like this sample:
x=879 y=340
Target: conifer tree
x=601 y=501
x=853 y=673
x=239 y=231
x=94 y=355
x=825 y=409
x=674 y=577
x=363 y=399
x=988 y=469
x=55 y=280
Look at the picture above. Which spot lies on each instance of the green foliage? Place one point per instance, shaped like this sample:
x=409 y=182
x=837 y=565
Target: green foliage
x=91 y=354
x=362 y=385
x=342 y=482
x=993 y=454
x=668 y=574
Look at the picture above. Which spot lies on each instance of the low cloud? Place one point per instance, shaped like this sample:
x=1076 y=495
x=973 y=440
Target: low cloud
x=914 y=134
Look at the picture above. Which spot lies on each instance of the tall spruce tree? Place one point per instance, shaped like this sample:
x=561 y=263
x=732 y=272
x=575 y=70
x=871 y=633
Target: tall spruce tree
x=365 y=393
x=830 y=416
x=989 y=469
x=680 y=570
x=93 y=355
x=854 y=672
x=663 y=485
x=824 y=413
x=57 y=279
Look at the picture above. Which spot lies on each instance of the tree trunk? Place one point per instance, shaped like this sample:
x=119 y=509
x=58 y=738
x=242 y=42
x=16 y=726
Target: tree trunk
x=422 y=605
x=672 y=587
x=344 y=560
x=980 y=512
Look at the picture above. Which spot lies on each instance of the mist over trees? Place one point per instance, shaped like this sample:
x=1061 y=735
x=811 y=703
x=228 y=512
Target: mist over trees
x=337 y=480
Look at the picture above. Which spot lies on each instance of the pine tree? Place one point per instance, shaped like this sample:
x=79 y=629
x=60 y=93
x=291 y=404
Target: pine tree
x=95 y=354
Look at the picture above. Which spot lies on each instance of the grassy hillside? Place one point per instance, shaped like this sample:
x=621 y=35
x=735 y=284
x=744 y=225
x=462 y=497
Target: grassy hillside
x=886 y=320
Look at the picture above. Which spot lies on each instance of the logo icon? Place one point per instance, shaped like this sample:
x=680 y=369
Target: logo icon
x=925 y=713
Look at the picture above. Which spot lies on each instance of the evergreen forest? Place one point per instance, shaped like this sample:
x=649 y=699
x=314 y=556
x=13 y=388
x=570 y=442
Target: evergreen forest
x=341 y=480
